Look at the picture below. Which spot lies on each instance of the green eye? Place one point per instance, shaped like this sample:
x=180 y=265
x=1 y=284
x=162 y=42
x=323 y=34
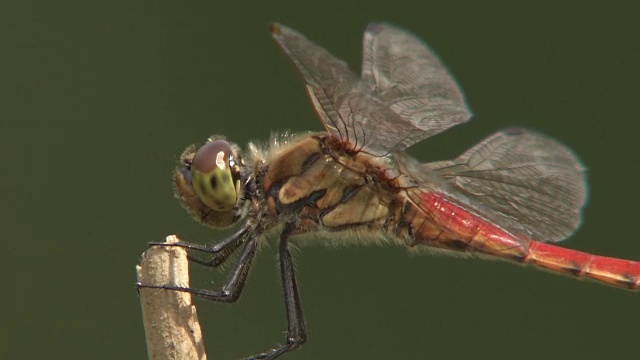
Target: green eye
x=215 y=176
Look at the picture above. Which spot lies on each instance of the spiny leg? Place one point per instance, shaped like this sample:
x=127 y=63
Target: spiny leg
x=221 y=251
x=296 y=332
x=235 y=283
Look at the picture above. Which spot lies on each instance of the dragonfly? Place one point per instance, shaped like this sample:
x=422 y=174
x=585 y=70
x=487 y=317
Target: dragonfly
x=509 y=197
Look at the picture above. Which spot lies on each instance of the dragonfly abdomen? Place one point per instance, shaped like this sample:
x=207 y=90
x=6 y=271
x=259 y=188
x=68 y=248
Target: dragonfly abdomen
x=612 y=271
x=439 y=223
x=435 y=221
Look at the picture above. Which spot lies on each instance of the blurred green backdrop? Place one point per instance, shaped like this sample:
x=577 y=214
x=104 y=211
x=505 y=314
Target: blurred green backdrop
x=99 y=99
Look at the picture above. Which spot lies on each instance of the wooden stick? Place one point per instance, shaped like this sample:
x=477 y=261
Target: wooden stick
x=170 y=320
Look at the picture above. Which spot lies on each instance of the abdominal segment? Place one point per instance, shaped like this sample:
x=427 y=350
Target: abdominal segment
x=435 y=221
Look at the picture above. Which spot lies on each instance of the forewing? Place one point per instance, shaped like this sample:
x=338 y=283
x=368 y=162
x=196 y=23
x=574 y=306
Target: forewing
x=408 y=80
x=522 y=180
x=405 y=94
x=329 y=81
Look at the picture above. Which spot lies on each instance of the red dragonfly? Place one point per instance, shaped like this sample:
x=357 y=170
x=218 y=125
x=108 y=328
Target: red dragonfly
x=501 y=199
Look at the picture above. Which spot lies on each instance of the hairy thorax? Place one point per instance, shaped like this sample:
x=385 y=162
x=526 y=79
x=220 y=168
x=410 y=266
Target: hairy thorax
x=320 y=187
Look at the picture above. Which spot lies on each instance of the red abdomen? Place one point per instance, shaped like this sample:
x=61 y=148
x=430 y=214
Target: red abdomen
x=437 y=222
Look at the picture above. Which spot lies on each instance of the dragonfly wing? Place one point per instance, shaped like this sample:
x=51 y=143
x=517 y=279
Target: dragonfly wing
x=409 y=81
x=529 y=180
x=329 y=81
x=405 y=94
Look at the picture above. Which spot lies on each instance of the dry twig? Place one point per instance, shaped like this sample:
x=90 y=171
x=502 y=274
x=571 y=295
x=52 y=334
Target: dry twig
x=170 y=319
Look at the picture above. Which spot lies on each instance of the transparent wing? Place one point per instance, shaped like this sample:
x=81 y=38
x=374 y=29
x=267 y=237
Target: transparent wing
x=405 y=94
x=524 y=181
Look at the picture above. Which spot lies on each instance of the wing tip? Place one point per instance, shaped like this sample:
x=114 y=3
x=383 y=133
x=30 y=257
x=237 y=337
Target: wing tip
x=275 y=29
x=378 y=27
x=280 y=31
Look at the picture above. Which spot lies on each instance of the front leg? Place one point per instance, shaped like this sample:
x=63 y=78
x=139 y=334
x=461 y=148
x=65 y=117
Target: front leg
x=220 y=251
x=231 y=291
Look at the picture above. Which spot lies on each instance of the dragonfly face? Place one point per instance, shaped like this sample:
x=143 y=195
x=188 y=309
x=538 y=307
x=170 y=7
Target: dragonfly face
x=209 y=182
x=499 y=199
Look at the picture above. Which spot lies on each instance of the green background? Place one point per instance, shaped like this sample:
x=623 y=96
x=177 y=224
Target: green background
x=98 y=101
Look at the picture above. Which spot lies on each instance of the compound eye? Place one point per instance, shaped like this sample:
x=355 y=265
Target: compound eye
x=214 y=179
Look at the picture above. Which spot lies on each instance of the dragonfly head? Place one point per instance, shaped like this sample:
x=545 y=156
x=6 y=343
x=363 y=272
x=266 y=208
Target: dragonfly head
x=209 y=182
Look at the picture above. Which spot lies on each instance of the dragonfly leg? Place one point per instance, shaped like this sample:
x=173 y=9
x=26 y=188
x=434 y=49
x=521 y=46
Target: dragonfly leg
x=220 y=251
x=230 y=292
x=296 y=332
